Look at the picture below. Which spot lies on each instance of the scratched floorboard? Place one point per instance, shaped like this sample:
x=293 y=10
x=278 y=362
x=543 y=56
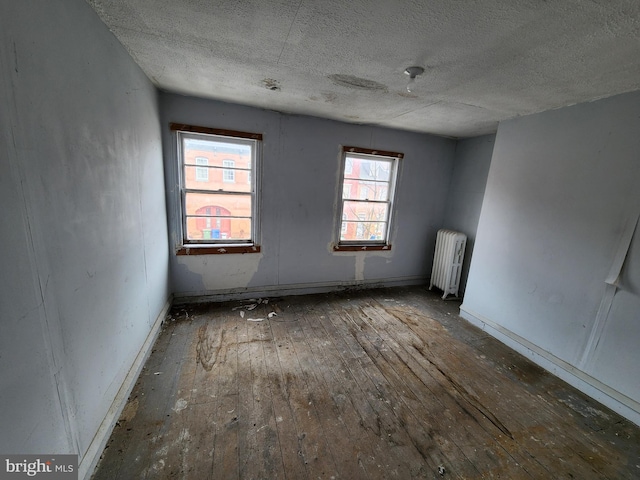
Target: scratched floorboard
x=371 y=384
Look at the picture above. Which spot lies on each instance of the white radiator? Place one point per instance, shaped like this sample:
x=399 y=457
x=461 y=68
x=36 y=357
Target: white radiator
x=447 y=262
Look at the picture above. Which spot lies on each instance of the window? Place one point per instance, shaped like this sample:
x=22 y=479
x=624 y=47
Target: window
x=202 y=174
x=366 y=198
x=229 y=173
x=217 y=211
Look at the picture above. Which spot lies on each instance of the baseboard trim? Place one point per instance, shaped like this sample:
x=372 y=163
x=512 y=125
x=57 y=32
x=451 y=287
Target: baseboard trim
x=594 y=388
x=91 y=457
x=293 y=289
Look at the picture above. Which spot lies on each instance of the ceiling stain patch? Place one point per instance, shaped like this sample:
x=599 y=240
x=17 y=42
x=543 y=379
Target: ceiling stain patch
x=351 y=81
x=329 y=97
x=271 y=84
x=407 y=95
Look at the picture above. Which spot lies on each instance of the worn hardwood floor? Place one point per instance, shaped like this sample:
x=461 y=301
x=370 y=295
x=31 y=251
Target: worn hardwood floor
x=368 y=384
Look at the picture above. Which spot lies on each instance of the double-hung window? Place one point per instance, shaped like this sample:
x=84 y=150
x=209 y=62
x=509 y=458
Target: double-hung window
x=218 y=189
x=202 y=174
x=366 y=199
x=229 y=172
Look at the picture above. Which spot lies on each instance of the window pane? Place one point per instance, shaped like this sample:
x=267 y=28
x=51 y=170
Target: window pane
x=218 y=228
x=218 y=216
x=211 y=204
x=203 y=147
x=356 y=230
x=365 y=211
x=367 y=169
x=214 y=179
x=229 y=163
x=364 y=221
x=373 y=190
x=348 y=165
x=365 y=190
x=346 y=189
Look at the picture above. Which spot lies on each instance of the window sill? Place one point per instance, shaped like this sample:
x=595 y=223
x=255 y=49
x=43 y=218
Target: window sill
x=217 y=250
x=361 y=248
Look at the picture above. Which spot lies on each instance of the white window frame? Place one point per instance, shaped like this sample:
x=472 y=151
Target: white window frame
x=232 y=137
x=346 y=168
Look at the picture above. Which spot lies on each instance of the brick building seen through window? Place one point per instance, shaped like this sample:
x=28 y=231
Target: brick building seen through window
x=218 y=193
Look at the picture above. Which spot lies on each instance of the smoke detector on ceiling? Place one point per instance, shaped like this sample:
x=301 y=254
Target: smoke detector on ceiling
x=413 y=72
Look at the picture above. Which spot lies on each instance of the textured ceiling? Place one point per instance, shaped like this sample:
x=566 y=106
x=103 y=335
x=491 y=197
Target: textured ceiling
x=485 y=60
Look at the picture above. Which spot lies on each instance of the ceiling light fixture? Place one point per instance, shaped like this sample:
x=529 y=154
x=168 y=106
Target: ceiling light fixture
x=413 y=72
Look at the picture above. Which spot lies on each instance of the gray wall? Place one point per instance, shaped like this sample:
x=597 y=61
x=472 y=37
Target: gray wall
x=562 y=193
x=470 y=171
x=83 y=232
x=300 y=173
